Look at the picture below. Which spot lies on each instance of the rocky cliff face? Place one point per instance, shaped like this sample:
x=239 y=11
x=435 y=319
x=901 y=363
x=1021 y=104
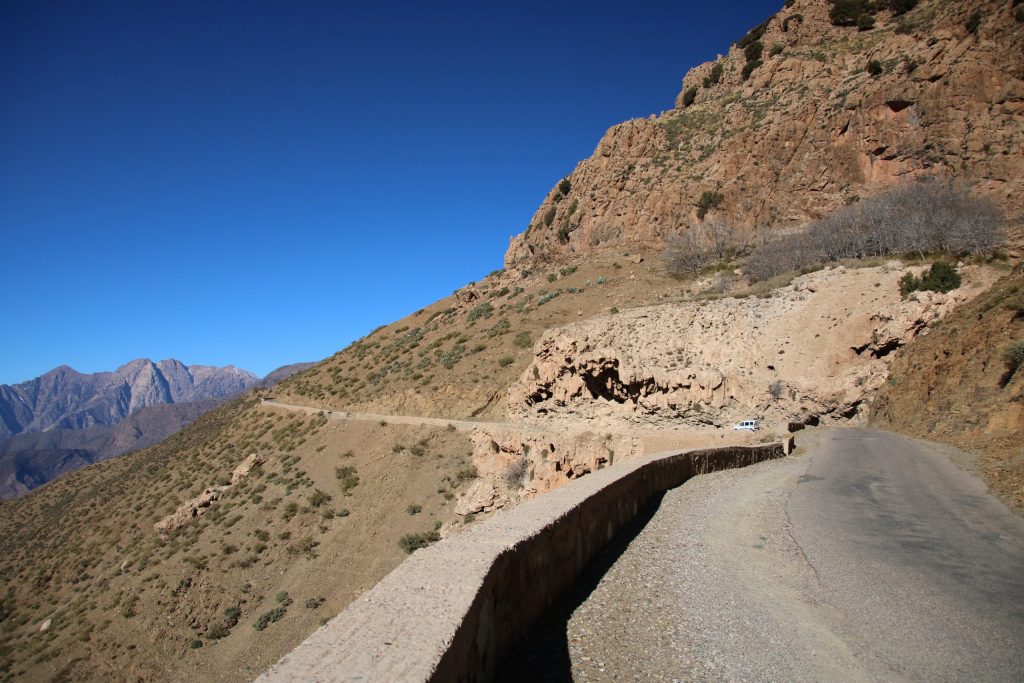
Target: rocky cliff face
x=67 y=399
x=829 y=115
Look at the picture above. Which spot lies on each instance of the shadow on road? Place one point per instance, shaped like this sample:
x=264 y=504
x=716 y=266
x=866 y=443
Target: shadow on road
x=543 y=653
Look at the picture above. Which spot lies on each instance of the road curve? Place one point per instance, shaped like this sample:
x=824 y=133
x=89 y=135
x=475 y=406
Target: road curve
x=868 y=557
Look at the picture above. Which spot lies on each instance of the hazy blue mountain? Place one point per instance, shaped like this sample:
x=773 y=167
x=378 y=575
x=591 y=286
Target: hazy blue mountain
x=69 y=399
x=79 y=426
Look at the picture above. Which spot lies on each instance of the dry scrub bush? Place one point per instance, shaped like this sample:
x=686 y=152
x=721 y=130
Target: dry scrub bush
x=515 y=472
x=713 y=241
x=922 y=217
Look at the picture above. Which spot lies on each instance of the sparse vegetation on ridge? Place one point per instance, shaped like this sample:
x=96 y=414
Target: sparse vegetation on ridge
x=111 y=581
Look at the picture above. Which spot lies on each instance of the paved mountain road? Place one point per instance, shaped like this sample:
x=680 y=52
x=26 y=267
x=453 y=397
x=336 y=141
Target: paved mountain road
x=869 y=557
x=461 y=425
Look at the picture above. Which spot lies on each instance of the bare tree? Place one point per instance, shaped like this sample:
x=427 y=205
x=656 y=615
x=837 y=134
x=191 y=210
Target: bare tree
x=714 y=240
x=919 y=217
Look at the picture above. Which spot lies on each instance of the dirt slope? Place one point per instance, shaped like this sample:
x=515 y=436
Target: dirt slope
x=954 y=385
x=93 y=592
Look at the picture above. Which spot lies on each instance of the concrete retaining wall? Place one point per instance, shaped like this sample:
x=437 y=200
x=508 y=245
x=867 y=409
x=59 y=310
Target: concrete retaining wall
x=451 y=611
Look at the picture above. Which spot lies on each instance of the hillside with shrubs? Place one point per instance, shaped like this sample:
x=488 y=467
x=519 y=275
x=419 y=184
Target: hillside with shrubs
x=845 y=162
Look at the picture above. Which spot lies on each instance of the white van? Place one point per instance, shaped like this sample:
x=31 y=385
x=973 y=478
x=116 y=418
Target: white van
x=746 y=425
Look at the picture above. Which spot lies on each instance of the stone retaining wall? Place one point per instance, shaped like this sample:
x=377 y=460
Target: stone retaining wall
x=451 y=611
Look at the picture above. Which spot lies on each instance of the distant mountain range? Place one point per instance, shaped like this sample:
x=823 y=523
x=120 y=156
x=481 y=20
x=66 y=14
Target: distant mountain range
x=64 y=419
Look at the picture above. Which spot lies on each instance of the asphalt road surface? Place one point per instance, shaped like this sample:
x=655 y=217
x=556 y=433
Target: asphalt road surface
x=867 y=556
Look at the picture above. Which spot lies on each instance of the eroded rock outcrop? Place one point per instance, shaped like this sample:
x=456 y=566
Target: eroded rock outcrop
x=810 y=129
x=518 y=464
x=813 y=350
x=198 y=506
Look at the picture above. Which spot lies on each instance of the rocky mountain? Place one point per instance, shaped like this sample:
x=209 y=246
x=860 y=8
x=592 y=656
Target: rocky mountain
x=67 y=399
x=802 y=116
x=219 y=549
x=32 y=458
x=283 y=372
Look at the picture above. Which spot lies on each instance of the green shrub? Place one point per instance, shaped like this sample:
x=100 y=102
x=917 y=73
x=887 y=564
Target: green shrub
x=523 y=340
x=1014 y=356
x=412 y=542
x=347 y=477
x=314 y=603
x=231 y=616
x=196 y=644
x=319 y=498
x=216 y=632
x=898 y=7
x=1016 y=304
x=506 y=361
x=776 y=50
x=748 y=68
x=714 y=76
x=708 y=200
x=753 y=34
x=549 y=217
x=689 y=95
x=414 y=509
x=798 y=18
x=268 y=618
x=875 y=68
x=846 y=12
x=909 y=283
x=753 y=51
x=484 y=310
x=564 y=186
x=865 y=22
x=307 y=546
x=467 y=473
x=973 y=21
x=940 y=277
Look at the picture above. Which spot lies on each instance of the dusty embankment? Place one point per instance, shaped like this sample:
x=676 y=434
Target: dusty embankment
x=960 y=384
x=814 y=350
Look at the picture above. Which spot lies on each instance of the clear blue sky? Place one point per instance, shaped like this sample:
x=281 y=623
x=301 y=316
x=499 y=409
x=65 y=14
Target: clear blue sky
x=260 y=183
